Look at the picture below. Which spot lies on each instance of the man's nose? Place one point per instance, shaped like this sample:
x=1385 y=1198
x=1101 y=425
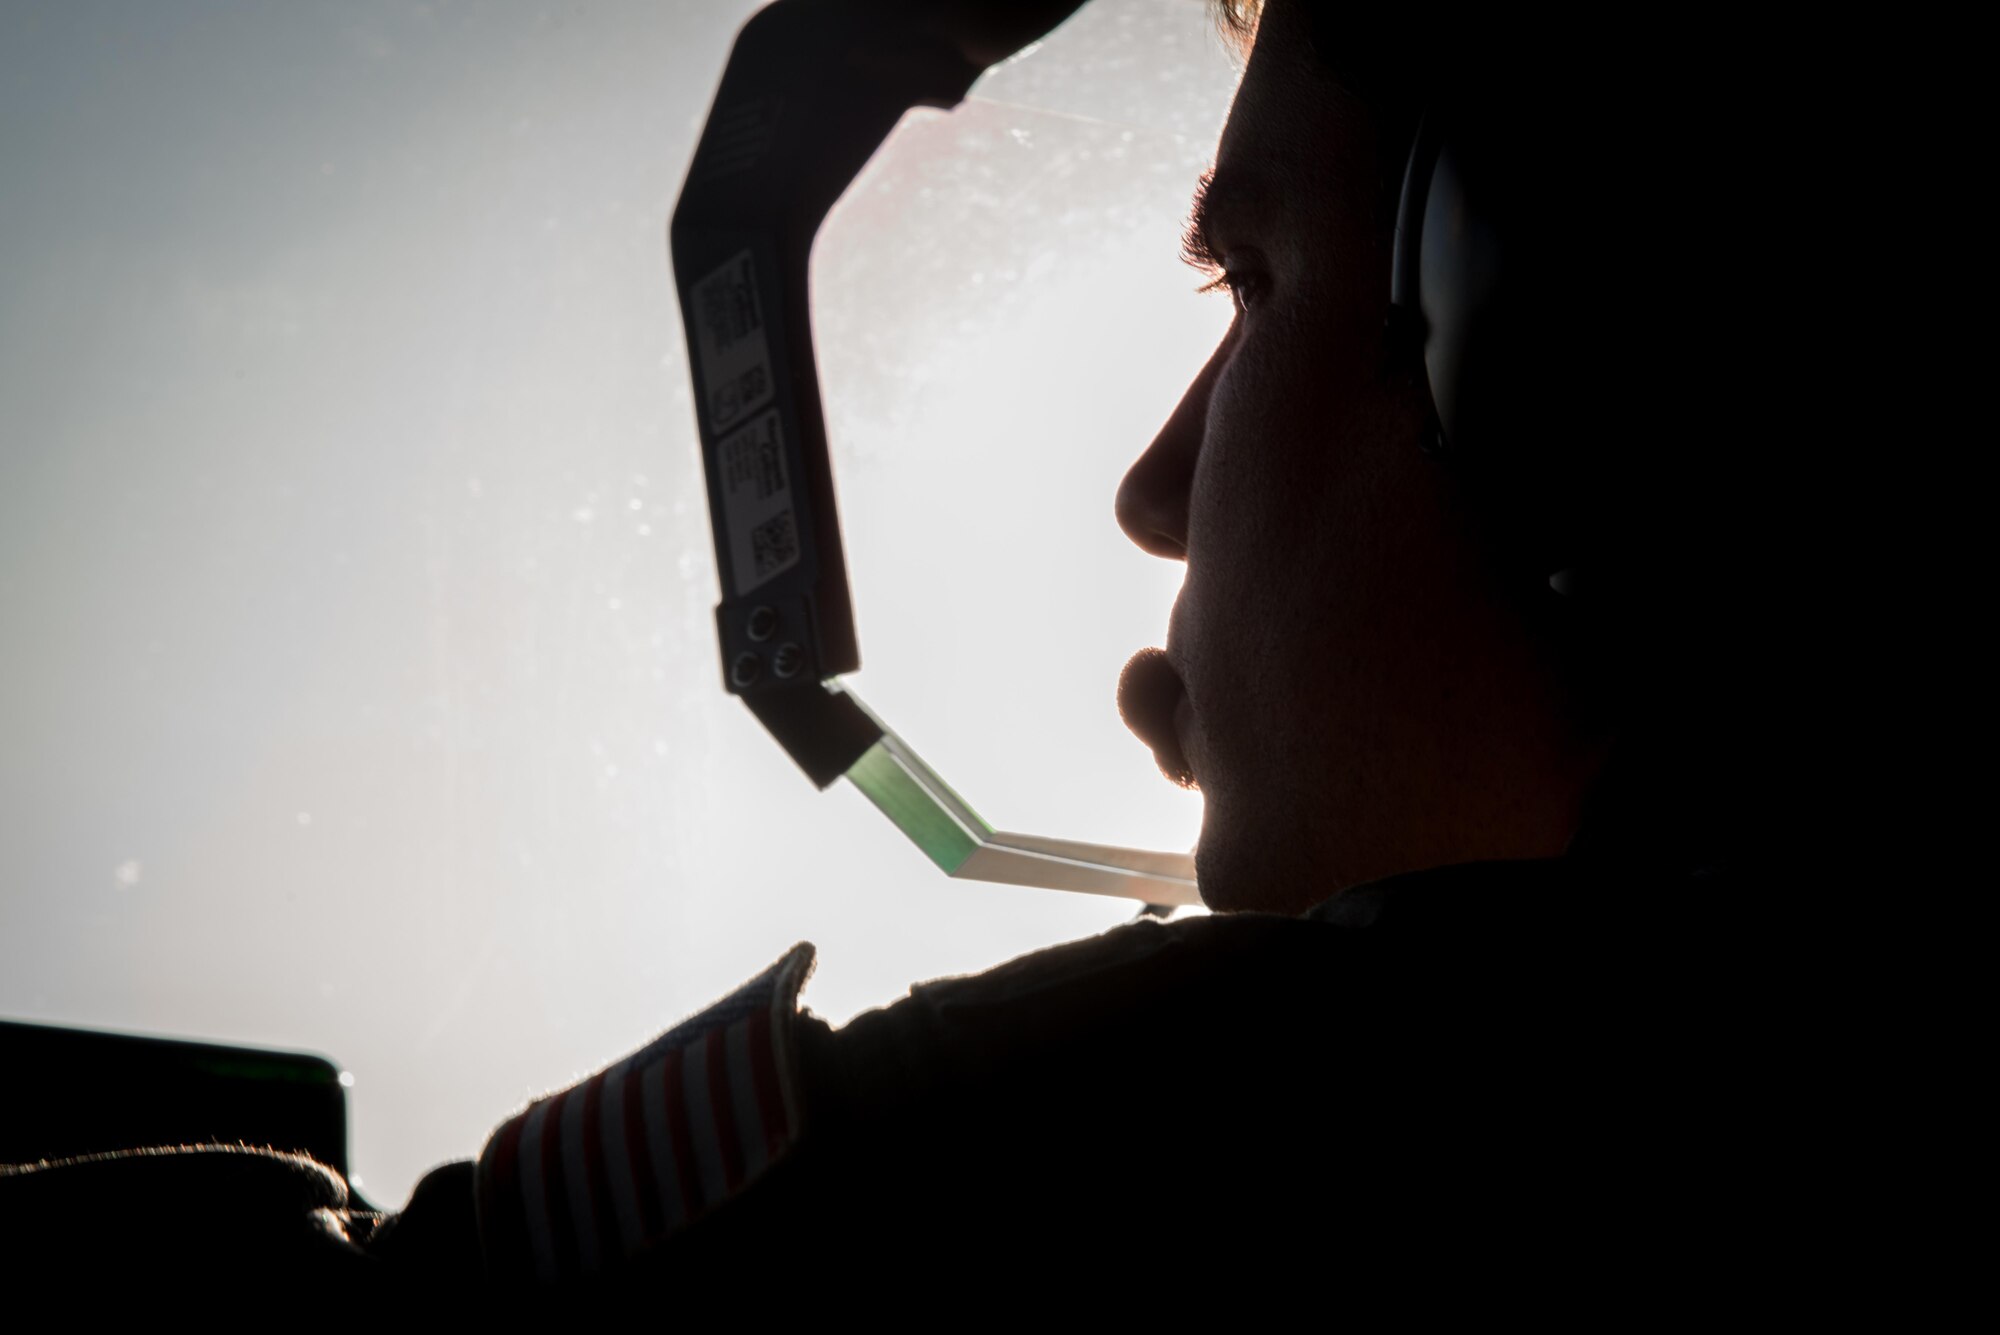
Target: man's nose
x=1153 y=499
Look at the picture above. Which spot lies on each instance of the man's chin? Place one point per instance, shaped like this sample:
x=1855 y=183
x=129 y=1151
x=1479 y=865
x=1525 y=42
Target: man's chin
x=1246 y=870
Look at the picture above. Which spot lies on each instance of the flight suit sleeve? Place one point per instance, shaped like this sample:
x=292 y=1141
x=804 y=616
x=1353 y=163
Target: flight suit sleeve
x=578 y=1183
x=1040 y=1104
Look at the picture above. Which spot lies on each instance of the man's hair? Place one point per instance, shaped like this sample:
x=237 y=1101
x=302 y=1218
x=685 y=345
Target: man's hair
x=1238 y=18
x=1375 y=52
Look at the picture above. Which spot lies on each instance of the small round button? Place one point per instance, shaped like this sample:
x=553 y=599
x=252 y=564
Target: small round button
x=745 y=670
x=763 y=624
x=788 y=661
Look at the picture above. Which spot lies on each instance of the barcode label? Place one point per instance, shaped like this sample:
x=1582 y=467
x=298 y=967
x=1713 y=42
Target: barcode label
x=774 y=545
x=732 y=343
x=757 y=503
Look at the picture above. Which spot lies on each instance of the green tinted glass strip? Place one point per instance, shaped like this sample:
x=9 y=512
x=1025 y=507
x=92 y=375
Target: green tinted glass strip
x=941 y=792
x=919 y=804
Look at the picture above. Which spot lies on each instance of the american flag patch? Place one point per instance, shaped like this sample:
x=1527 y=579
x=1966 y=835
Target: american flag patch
x=584 y=1178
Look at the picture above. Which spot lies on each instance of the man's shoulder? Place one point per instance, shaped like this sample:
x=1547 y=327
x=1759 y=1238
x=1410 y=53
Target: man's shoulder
x=1143 y=978
x=1464 y=922
x=1141 y=962
x=1211 y=1068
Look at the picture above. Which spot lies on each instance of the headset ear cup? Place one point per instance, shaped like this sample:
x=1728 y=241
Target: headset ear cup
x=1406 y=255
x=1471 y=354
x=1406 y=331
x=1477 y=324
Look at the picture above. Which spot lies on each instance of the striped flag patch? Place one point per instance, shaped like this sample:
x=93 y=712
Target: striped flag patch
x=590 y=1175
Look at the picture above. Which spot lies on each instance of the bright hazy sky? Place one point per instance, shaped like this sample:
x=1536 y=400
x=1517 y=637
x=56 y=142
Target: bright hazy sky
x=356 y=587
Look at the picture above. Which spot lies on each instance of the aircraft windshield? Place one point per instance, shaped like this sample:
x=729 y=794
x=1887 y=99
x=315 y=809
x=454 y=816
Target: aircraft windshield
x=362 y=682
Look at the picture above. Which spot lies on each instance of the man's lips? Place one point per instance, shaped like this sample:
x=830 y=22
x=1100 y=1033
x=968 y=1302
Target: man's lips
x=1150 y=694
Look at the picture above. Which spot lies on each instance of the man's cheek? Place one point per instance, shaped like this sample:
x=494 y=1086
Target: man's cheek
x=1239 y=480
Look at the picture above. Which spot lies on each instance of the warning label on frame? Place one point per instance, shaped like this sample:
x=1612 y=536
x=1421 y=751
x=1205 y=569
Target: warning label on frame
x=757 y=503
x=733 y=344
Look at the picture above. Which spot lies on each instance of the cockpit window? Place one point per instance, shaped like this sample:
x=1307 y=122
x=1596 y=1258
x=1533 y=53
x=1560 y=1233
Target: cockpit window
x=357 y=593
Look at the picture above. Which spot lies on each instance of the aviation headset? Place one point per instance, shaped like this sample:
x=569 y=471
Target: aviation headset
x=1503 y=291
x=1449 y=322
x=1555 y=288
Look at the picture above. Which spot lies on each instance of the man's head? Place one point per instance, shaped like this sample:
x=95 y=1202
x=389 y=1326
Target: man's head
x=1357 y=676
